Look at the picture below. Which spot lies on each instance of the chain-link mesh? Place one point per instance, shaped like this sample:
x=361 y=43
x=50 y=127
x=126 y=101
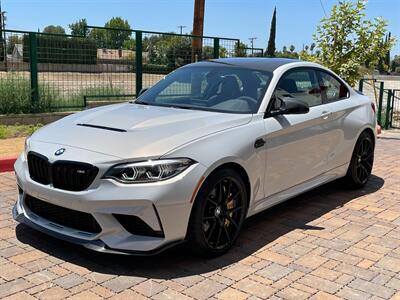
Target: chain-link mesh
x=254 y=52
x=15 y=85
x=395 y=115
x=163 y=53
x=47 y=72
x=78 y=69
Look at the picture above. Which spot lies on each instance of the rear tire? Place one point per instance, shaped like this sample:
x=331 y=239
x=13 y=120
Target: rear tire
x=361 y=162
x=218 y=213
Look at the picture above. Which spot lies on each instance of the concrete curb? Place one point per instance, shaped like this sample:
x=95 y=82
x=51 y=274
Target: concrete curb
x=7 y=164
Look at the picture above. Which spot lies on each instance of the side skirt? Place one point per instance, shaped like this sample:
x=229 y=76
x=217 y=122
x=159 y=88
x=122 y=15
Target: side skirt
x=297 y=190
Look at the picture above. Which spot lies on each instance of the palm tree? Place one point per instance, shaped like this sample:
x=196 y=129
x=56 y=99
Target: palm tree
x=312 y=47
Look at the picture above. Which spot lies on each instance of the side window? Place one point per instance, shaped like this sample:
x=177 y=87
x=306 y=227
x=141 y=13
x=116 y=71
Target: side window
x=301 y=84
x=331 y=89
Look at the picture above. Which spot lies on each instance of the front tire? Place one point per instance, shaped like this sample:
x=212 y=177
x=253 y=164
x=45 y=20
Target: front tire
x=361 y=162
x=218 y=213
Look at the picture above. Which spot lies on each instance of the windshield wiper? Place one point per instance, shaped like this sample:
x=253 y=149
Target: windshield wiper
x=140 y=102
x=181 y=106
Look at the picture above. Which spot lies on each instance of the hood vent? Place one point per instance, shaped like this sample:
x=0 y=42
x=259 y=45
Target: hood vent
x=102 y=127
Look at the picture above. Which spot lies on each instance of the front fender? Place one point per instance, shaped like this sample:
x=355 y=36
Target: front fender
x=235 y=145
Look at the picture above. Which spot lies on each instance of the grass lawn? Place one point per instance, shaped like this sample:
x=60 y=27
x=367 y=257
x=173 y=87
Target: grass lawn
x=14 y=131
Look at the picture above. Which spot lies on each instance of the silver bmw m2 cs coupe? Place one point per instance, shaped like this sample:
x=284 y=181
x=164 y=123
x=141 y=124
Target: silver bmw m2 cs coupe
x=195 y=155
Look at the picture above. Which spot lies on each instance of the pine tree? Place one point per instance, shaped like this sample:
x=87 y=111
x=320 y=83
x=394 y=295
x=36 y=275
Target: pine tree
x=271 y=42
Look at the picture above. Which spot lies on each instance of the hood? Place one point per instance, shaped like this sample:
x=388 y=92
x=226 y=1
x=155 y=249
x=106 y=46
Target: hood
x=136 y=131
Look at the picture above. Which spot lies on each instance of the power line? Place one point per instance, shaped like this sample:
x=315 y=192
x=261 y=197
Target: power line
x=323 y=8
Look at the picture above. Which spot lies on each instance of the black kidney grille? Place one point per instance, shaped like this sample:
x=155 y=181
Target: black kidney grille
x=39 y=168
x=63 y=216
x=66 y=175
x=73 y=176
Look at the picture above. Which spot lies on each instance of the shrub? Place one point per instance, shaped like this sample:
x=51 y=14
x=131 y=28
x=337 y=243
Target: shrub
x=157 y=69
x=15 y=97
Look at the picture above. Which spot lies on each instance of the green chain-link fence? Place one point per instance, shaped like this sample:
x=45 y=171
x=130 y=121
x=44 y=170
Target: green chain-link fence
x=254 y=52
x=386 y=99
x=42 y=72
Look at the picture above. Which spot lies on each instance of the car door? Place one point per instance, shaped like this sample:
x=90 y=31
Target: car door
x=296 y=145
x=335 y=99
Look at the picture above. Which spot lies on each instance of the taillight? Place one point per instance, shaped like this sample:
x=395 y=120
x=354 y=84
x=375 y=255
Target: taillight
x=373 y=107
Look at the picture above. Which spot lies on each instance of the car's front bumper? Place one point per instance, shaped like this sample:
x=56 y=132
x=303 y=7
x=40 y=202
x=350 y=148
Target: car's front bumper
x=164 y=206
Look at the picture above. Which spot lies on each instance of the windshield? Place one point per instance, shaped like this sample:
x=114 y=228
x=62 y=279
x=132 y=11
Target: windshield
x=220 y=88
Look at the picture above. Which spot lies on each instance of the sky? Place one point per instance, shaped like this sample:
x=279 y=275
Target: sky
x=296 y=19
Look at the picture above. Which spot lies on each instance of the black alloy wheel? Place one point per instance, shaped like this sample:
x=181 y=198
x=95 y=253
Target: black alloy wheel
x=362 y=161
x=218 y=213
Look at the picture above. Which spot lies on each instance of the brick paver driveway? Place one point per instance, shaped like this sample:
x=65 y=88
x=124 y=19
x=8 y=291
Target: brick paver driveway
x=325 y=244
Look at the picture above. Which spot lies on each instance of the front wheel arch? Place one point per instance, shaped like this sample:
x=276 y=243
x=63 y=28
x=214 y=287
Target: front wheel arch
x=198 y=242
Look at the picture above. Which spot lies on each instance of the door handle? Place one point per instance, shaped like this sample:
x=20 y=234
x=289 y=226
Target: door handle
x=259 y=143
x=325 y=115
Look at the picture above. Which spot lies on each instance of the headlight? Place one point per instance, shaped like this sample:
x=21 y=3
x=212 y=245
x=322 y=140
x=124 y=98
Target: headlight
x=149 y=171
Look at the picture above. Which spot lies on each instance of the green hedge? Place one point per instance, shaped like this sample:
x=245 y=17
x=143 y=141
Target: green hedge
x=157 y=69
x=62 y=50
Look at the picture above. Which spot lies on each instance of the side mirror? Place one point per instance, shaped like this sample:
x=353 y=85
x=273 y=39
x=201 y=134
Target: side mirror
x=142 y=91
x=287 y=106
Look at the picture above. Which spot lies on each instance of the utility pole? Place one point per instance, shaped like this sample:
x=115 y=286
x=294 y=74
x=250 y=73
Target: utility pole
x=252 y=39
x=3 y=35
x=181 y=27
x=198 y=25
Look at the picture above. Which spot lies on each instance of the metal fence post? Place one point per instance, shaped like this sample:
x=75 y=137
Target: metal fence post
x=33 y=70
x=392 y=107
x=361 y=85
x=381 y=90
x=389 y=98
x=139 y=62
x=216 y=47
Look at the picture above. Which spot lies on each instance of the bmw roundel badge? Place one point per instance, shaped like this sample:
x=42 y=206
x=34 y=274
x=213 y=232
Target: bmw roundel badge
x=59 y=152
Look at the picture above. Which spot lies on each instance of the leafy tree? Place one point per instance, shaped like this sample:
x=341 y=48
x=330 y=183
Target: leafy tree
x=179 y=52
x=292 y=48
x=271 y=42
x=208 y=52
x=223 y=52
x=54 y=29
x=130 y=44
x=284 y=49
x=170 y=50
x=240 y=50
x=79 y=28
x=306 y=47
x=99 y=35
x=395 y=63
x=12 y=41
x=347 y=39
x=115 y=38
